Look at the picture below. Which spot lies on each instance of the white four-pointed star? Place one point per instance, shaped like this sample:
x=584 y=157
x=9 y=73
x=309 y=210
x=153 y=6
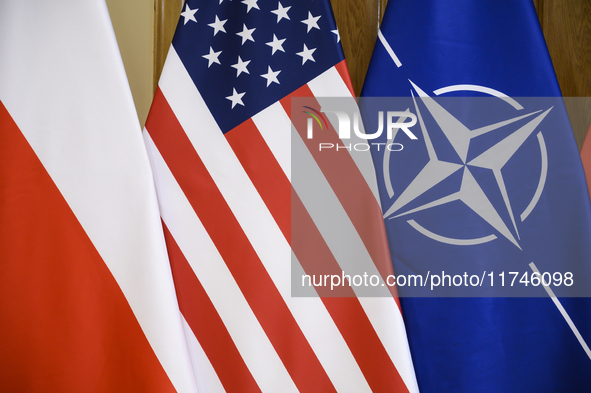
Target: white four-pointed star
x=246 y=34
x=236 y=98
x=212 y=57
x=241 y=66
x=281 y=12
x=470 y=193
x=306 y=54
x=218 y=25
x=271 y=76
x=276 y=44
x=311 y=22
x=189 y=14
x=250 y=4
x=336 y=32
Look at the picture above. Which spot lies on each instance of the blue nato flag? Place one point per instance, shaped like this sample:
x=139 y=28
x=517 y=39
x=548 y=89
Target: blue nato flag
x=489 y=199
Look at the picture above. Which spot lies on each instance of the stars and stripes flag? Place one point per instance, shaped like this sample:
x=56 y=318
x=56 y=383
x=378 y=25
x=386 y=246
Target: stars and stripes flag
x=219 y=135
x=87 y=301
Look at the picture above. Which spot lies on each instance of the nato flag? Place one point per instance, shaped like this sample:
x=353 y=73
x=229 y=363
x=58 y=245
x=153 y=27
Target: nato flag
x=490 y=210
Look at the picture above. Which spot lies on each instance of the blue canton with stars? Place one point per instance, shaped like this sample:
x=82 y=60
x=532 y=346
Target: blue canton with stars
x=244 y=55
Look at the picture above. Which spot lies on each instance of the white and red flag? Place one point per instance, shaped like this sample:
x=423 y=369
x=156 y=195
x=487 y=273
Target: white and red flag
x=87 y=301
x=224 y=138
x=586 y=157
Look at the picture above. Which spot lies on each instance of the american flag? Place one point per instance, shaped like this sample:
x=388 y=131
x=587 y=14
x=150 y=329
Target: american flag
x=220 y=139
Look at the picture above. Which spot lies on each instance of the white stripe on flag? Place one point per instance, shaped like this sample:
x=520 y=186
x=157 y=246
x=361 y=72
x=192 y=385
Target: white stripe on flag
x=205 y=260
x=274 y=125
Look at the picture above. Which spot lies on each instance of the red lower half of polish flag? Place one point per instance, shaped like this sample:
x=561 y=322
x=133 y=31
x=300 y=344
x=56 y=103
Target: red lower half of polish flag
x=65 y=325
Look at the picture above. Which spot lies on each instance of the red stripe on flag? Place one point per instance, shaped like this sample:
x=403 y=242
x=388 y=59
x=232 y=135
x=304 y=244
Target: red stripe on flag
x=66 y=326
x=349 y=186
x=377 y=367
x=235 y=248
x=263 y=170
x=346 y=311
x=586 y=158
x=343 y=71
x=206 y=324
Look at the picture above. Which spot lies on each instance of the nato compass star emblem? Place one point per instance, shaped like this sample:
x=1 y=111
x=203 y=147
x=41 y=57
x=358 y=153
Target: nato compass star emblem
x=497 y=212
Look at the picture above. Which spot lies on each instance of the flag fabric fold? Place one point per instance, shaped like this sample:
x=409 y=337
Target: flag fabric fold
x=586 y=158
x=450 y=200
x=87 y=301
x=221 y=135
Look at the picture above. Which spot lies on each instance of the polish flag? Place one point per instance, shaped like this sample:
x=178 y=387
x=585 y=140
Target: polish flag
x=87 y=301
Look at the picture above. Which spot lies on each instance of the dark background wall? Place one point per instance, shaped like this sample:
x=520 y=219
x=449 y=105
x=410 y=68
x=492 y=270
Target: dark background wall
x=567 y=29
